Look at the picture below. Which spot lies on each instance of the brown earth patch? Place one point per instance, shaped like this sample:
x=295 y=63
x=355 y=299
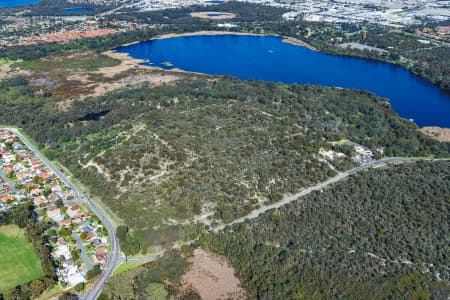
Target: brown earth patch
x=437 y=133
x=212 y=277
x=152 y=78
x=126 y=63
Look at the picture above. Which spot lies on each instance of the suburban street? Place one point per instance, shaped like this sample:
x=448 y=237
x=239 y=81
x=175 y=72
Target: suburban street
x=84 y=255
x=115 y=259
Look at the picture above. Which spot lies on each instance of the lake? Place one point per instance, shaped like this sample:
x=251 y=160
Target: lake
x=9 y=3
x=269 y=58
x=78 y=10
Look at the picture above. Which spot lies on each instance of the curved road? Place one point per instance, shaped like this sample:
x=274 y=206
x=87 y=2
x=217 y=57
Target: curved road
x=115 y=259
x=114 y=254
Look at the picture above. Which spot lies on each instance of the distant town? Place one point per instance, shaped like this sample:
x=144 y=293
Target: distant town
x=25 y=29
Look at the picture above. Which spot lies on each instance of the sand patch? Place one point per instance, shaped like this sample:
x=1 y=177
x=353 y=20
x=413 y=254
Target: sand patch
x=212 y=277
x=153 y=79
x=7 y=71
x=126 y=63
x=213 y=15
x=297 y=42
x=437 y=133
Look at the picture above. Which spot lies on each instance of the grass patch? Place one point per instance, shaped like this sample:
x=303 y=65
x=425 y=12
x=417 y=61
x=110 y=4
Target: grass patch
x=128 y=266
x=77 y=61
x=18 y=262
x=52 y=292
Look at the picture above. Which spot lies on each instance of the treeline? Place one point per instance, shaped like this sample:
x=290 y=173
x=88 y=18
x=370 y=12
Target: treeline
x=378 y=235
x=53 y=8
x=155 y=280
x=98 y=44
x=247 y=132
x=24 y=217
x=430 y=64
x=245 y=12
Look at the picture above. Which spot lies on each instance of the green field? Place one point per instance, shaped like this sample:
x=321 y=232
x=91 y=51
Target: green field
x=18 y=262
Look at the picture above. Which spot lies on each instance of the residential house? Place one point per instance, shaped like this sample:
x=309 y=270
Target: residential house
x=73 y=211
x=55 y=215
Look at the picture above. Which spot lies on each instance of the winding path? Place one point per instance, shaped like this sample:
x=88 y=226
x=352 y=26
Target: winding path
x=340 y=176
x=115 y=259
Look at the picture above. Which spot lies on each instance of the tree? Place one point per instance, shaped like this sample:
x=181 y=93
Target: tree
x=93 y=272
x=37 y=287
x=156 y=291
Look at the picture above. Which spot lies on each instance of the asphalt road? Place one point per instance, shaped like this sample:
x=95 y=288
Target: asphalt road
x=114 y=255
x=115 y=259
x=84 y=255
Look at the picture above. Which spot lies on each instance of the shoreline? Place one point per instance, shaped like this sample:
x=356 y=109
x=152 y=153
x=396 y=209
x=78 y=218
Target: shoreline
x=297 y=42
x=128 y=62
x=285 y=39
x=441 y=134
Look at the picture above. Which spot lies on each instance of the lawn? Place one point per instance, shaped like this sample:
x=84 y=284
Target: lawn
x=18 y=261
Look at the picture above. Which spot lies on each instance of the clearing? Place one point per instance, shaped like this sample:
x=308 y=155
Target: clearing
x=18 y=263
x=437 y=133
x=212 y=277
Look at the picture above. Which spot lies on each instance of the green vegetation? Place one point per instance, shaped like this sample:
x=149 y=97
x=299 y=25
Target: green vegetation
x=403 y=48
x=155 y=280
x=379 y=235
x=125 y=267
x=161 y=156
x=87 y=61
x=29 y=273
x=18 y=262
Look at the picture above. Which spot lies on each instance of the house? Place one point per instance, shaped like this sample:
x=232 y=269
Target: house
x=9 y=168
x=91 y=235
x=62 y=250
x=101 y=254
x=73 y=211
x=96 y=242
x=9 y=158
x=7 y=198
x=76 y=220
x=36 y=192
x=55 y=215
x=52 y=197
x=66 y=222
x=39 y=201
x=46 y=176
x=71 y=274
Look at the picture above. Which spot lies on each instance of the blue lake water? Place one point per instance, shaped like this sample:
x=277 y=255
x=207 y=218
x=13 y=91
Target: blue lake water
x=268 y=58
x=9 y=3
x=78 y=10
x=214 y=15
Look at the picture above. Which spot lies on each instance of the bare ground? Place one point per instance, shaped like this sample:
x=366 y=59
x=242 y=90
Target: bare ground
x=126 y=63
x=212 y=277
x=437 y=133
x=7 y=71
